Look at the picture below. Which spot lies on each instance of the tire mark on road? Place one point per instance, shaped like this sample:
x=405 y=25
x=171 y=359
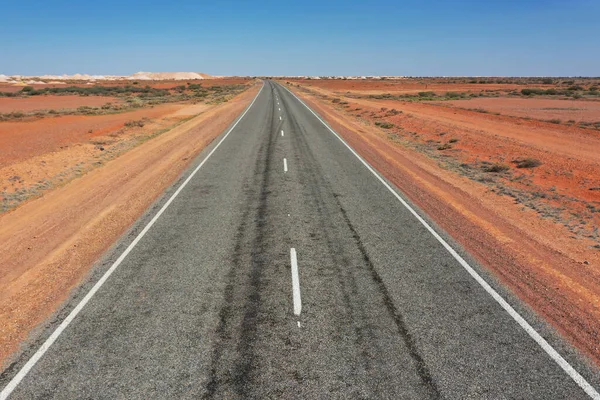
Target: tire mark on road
x=319 y=188
x=233 y=353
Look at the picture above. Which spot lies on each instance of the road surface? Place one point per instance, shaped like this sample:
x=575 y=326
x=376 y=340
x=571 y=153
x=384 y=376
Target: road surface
x=281 y=266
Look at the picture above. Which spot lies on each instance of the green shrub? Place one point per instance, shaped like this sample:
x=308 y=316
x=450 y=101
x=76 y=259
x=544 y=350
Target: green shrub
x=531 y=91
x=527 y=163
x=384 y=125
x=130 y=124
x=497 y=167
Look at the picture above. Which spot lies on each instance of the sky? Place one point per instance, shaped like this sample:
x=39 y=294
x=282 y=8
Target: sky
x=287 y=37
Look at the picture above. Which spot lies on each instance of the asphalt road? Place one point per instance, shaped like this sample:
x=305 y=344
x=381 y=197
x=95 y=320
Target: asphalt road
x=203 y=305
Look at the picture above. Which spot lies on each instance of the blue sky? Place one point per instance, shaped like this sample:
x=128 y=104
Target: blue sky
x=423 y=38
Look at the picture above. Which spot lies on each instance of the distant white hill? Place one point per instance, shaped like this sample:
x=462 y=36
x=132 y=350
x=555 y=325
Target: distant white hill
x=141 y=76
x=160 y=76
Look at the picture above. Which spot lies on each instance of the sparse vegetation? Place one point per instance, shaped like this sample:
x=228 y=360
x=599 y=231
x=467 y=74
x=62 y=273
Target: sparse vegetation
x=496 y=168
x=133 y=96
x=527 y=163
x=96 y=90
x=11 y=115
x=573 y=91
x=384 y=125
x=421 y=96
x=139 y=123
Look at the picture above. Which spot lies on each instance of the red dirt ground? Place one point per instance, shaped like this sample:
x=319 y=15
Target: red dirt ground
x=10 y=88
x=404 y=86
x=33 y=103
x=48 y=244
x=50 y=134
x=540 y=242
x=543 y=109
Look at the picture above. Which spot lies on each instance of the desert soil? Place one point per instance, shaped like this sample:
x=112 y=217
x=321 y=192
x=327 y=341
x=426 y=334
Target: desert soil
x=535 y=228
x=48 y=244
x=542 y=109
x=35 y=103
x=403 y=86
x=47 y=135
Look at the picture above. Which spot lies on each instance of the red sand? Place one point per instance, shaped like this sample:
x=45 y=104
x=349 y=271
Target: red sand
x=50 y=134
x=33 y=103
x=544 y=109
x=403 y=86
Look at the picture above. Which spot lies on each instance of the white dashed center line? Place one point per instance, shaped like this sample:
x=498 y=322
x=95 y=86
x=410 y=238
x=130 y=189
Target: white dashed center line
x=295 y=284
x=284 y=165
x=282 y=132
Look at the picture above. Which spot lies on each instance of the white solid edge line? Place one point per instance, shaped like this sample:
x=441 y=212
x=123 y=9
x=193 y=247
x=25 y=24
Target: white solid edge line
x=8 y=389
x=295 y=283
x=543 y=343
x=285 y=165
